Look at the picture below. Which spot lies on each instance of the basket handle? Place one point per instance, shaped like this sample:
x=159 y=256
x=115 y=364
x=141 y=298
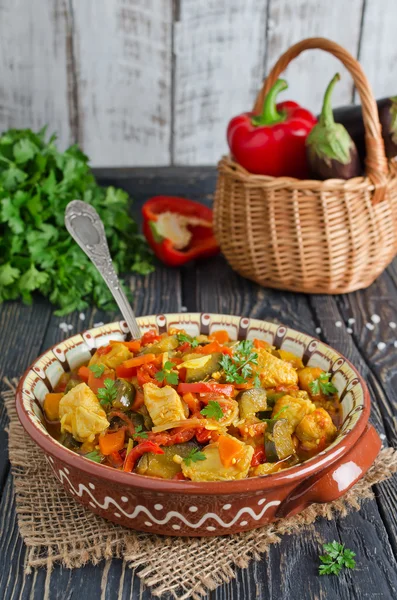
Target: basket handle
x=375 y=162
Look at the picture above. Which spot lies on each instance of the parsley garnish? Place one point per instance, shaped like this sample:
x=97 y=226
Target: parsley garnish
x=37 y=181
x=336 y=558
x=108 y=393
x=238 y=368
x=194 y=456
x=167 y=374
x=277 y=415
x=183 y=337
x=94 y=455
x=213 y=410
x=98 y=370
x=323 y=384
x=140 y=433
x=257 y=381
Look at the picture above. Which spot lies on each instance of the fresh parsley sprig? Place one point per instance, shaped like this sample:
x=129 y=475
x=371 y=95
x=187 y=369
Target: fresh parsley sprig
x=167 y=374
x=323 y=385
x=94 y=456
x=183 y=337
x=98 y=370
x=238 y=368
x=108 y=393
x=140 y=433
x=213 y=410
x=194 y=456
x=336 y=558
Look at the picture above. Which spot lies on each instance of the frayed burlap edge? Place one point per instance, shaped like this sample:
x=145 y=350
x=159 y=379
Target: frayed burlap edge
x=56 y=529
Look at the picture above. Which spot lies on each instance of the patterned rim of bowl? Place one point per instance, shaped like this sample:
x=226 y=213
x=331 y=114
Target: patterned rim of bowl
x=45 y=371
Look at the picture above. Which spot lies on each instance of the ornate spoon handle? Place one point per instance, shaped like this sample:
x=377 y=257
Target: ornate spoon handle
x=86 y=228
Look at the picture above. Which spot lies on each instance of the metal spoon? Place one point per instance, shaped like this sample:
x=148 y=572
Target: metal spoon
x=86 y=228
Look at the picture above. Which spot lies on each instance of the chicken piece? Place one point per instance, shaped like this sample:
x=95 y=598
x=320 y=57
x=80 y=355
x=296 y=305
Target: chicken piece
x=316 y=429
x=117 y=355
x=306 y=378
x=164 y=404
x=293 y=409
x=212 y=469
x=81 y=414
x=273 y=371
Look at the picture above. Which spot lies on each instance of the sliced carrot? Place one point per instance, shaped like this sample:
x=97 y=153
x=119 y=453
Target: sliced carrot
x=112 y=442
x=139 y=360
x=244 y=386
x=220 y=336
x=84 y=373
x=229 y=448
x=133 y=346
x=212 y=347
x=99 y=382
x=192 y=401
x=51 y=405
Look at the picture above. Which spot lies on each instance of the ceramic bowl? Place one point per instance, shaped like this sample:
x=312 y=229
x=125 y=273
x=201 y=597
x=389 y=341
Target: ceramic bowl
x=204 y=508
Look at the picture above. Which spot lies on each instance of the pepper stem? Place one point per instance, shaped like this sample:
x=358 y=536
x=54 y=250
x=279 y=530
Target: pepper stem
x=327 y=116
x=270 y=114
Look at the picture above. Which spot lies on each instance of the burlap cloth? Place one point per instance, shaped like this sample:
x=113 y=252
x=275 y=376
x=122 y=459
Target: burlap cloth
x=57 y=529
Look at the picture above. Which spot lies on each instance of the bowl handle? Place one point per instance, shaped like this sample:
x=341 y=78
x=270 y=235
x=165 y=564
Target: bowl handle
x=338 y=479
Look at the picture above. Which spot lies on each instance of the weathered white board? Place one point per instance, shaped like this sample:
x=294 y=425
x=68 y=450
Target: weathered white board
x=310 y=73
x=378 y=53
x=34 y=41
x=123 y=75
x=219 y=54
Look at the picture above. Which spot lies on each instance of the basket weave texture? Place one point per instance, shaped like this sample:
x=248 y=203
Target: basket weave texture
x=332 y=236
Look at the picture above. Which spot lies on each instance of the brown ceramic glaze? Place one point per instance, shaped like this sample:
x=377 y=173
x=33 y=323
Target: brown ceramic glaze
x=204 y=508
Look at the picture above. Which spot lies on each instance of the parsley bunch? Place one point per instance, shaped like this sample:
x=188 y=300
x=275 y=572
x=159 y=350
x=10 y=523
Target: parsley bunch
x=323 y=384
x=213 y=410
x=238 y=368
x=108 y=393
x=37 y=181
x=336 y=557
x=167 y=374
x=194 y=456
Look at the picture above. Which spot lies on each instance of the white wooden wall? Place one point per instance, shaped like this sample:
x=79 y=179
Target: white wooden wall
x=154 y=82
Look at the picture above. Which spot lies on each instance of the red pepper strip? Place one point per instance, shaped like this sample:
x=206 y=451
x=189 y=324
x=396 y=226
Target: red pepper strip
x=138 y=451
x=223 y=389
x=177 y=436
x=272 y=143
x=150 y=337
x=214 y=346
x=258 y=457
x=179 y=477
x=115 y=459
x=202 y=244
x=104 y=350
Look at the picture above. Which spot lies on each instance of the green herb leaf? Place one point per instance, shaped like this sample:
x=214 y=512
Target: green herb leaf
x=37 y=181
x=336 y=557
x=213 y=410
x=238 y=368
x=171 y=377
x=257 y=381
x=140 y=433
x=323 y=384
x=94 y=456
x=277 y=415
x=194 y=456
x=108 y=393
x=183 y=337
x=98 y=370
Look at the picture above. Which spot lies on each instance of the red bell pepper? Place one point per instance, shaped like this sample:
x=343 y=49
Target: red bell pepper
x=178 y=230
x=223 y=389
x=138 y=451
x=272 y=143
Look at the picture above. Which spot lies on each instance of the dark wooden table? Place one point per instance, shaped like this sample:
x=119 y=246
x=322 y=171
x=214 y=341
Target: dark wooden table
x=289 y=571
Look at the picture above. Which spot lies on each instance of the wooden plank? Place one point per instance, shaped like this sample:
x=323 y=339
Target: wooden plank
x=219 y=48
x=34 y=66
x=123 y=74
x=378 y=53
x=309 y=74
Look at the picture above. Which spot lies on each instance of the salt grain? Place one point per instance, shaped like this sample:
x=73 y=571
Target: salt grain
x=369 y=326
x=351 y=321
x=99 y=324
x=318 y=329
x=375 y=319
x=392 y=324
x=338 y=324
x=381 y=345
x=82 y=317
x=349 y=330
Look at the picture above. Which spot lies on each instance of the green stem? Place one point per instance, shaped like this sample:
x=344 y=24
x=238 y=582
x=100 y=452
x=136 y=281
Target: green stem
x=270 y=114
x=327 y=116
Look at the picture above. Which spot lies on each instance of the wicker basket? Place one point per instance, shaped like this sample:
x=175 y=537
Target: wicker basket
x=330 y=236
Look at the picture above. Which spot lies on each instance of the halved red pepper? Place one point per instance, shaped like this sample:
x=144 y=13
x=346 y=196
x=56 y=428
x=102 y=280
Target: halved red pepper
x=194 y=221
x=223 y=389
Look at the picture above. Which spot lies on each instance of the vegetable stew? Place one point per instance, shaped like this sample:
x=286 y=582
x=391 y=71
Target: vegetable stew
x=202 y=408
